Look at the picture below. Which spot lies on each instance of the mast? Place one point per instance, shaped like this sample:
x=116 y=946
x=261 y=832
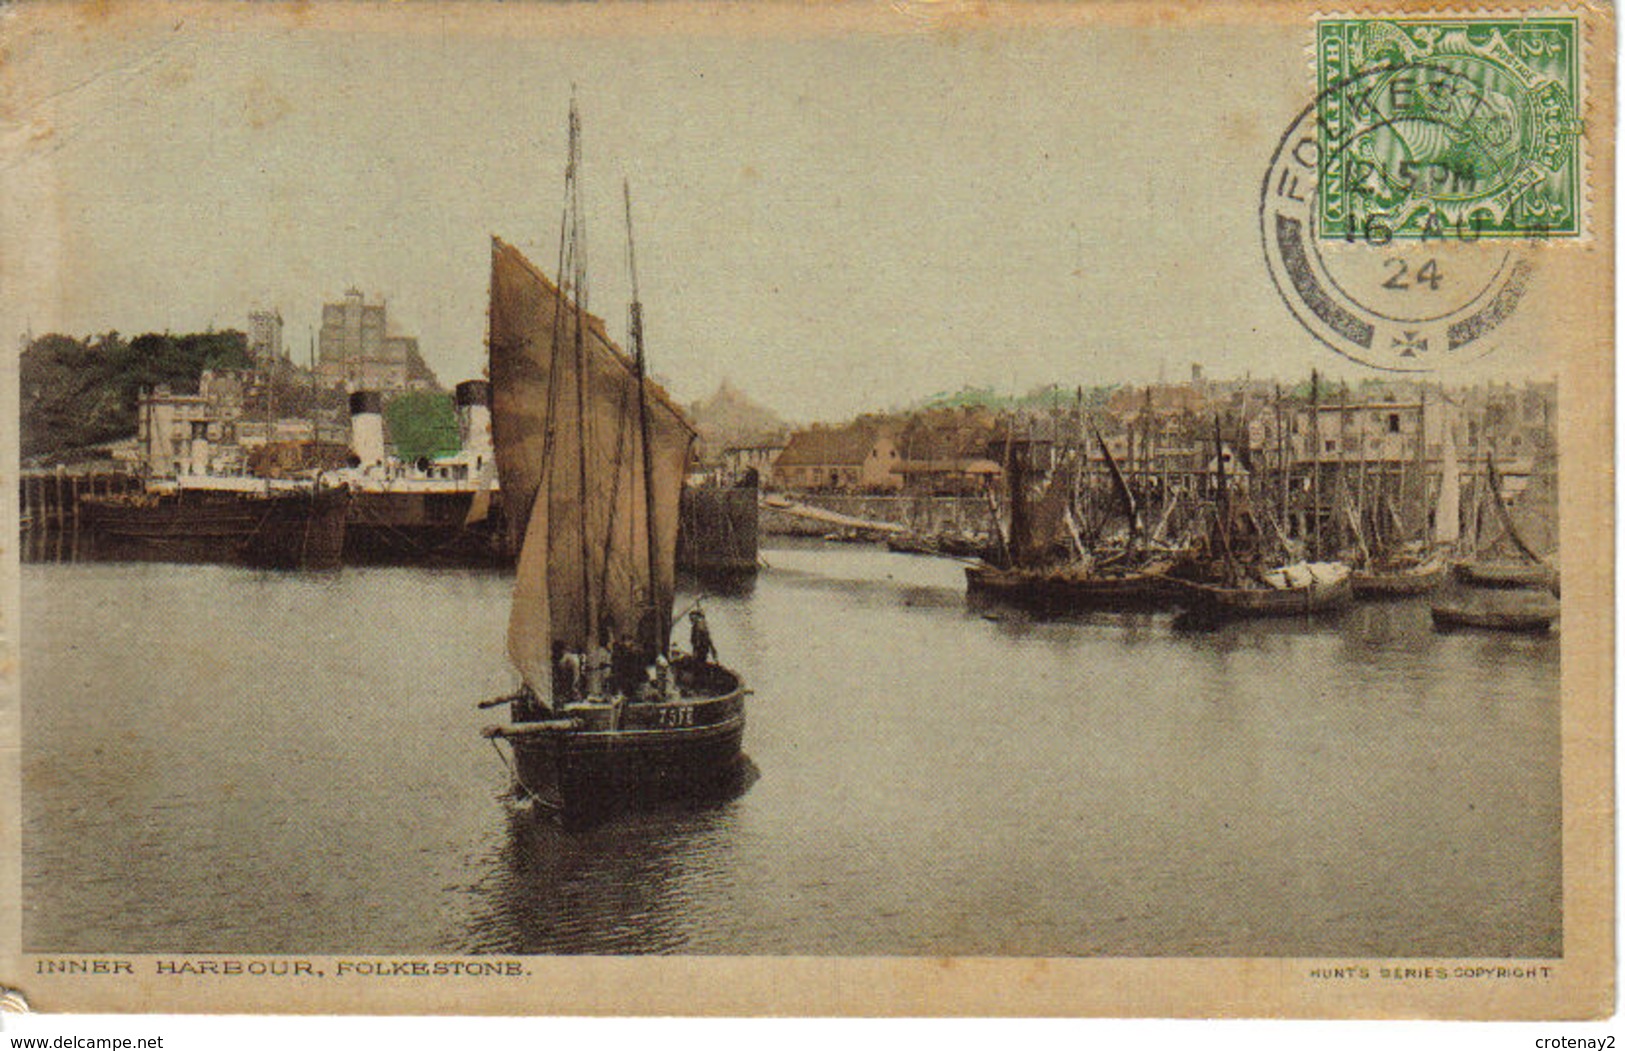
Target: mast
x=1501 y=511
x=1148 y=465
x=1223 y=499
x=662 y=629
x=1130 y=506
x=578 y=275
x=1416 y=524
x=1018 y=460
x=1362 y=517
x=1314 y=445
x=315 y=413
x=1283 y=475
x=1447 y=512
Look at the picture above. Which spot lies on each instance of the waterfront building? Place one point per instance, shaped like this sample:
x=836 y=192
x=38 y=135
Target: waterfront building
x=946 y=452
x=218 y=429
x=739 y=460
x=860 y=456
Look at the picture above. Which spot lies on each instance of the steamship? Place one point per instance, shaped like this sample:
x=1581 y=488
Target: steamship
x=445 y=510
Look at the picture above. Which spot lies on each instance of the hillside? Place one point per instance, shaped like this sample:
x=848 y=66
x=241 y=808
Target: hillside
x=76 y=394
x=727 y=417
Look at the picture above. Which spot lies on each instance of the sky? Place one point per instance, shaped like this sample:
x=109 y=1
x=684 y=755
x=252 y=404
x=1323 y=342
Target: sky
x=835 y=213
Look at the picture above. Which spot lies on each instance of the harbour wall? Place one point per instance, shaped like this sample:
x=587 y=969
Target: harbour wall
x=717 y=530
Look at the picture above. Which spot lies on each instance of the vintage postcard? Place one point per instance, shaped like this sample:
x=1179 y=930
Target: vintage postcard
x=1099 y=509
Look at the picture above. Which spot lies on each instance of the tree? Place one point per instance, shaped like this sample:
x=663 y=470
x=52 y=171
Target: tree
x=80 y=393
x=422 y=424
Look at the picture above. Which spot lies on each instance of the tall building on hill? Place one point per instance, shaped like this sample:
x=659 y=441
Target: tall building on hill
x=358 y=352
x=265 y=337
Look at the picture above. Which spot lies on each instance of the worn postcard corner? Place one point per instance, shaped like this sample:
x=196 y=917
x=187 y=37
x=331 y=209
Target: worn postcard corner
x=1099 y=509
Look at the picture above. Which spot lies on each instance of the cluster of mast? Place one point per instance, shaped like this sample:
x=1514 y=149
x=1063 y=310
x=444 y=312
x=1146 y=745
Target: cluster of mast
x=591 y=453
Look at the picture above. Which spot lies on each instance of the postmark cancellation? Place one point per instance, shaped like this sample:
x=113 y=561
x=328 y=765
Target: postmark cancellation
x=1401 y=210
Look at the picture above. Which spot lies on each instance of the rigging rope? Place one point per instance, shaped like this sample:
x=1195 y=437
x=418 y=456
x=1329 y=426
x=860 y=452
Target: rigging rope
x=513 y=770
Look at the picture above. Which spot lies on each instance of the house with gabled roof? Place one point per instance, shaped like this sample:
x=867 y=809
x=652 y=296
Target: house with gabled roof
x=860 y=456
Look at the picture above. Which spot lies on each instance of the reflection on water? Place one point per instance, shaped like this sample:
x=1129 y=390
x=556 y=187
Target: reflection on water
x=547 y=890
x=218 y=759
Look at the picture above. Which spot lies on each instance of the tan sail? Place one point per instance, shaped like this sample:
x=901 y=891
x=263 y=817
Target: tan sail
x=1048 y=528
x=569 y=451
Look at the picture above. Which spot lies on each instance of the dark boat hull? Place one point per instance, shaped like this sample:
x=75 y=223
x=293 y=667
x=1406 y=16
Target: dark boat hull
x=592 y=759
x=1505 y=574
x=304 y=533
x=1532 y=621
x=1267 y=602
x=298 y=530
x=403 y=527
x=1062 y=591
x=943 y=545
x=1412 y=580
x=717 y=531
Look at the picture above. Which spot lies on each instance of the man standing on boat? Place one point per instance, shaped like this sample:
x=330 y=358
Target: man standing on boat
x=566 y=674
x=699 y=638
x=626 y=665
x=598 y=666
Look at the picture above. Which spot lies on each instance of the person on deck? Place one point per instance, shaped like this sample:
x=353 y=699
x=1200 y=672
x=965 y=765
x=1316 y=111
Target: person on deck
x=626 y=665
x=598 y=667
x=649 y=690
x=567 y=674
x=699 y=638
x=666 y=681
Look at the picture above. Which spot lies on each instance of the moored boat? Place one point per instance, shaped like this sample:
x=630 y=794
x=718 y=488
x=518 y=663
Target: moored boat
x=717 y=531
x=1506 y=574
x=946 y=544
x=285 y=526
x=1509 y=562
x=590 y=757
x=1499 y=611
x=1047 y=566
x=1415 y=578
x=1076 y=586
x=1303 y=587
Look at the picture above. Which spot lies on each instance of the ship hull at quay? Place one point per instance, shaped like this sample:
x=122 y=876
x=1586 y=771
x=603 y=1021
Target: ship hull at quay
x=425 y=527
x=300 y=529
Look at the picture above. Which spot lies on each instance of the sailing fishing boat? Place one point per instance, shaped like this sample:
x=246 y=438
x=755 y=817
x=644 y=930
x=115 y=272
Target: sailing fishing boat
x=1046 y=563
x=1490 y=566
x=1402 y=564
x=591 y=456
x=1502 y=593
x=1248 y=570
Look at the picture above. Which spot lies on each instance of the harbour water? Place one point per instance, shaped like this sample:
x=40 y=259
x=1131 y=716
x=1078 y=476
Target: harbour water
x=218 y=759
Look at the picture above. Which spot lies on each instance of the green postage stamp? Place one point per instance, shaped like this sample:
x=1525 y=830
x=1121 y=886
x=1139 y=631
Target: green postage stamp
x=1460 y=127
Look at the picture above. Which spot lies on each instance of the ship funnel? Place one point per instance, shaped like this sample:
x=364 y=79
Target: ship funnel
x=199 y=451
x=367 y=427
x=474 y=417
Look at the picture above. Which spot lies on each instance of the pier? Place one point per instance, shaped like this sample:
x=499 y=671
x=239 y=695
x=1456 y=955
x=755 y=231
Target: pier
x=49 y=508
